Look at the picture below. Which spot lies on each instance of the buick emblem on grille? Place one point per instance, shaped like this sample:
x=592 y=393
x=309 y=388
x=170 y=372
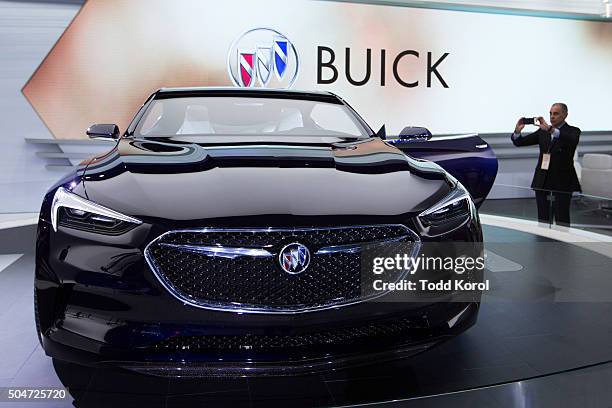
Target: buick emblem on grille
x=294 y=258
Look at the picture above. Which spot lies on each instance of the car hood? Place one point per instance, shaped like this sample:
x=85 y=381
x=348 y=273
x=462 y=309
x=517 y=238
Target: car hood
x=190 y=179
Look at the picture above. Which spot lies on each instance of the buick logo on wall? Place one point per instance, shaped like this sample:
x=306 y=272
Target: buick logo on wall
x=263 y=57
x=294 y=258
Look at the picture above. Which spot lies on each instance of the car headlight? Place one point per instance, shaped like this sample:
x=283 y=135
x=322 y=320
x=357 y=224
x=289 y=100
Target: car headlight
x=450 y=213
x=73 y=211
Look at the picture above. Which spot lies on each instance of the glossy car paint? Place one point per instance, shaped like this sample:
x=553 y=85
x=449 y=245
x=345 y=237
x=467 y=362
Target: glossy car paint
x=467 y=157
x=98 y=301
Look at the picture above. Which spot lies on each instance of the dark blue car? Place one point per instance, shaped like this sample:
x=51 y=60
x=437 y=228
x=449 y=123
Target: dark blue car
x=228 y=233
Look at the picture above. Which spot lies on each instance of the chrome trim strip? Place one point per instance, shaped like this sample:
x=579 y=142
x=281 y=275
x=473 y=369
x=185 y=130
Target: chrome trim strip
x=220 y=251
x=239 y=308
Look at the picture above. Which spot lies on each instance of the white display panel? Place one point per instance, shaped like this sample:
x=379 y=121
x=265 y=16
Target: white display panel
x=497 y=67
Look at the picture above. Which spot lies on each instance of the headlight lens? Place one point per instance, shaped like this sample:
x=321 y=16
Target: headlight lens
x=73 y=211
x=449 y=214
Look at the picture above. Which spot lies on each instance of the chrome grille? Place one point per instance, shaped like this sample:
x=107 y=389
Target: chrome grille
x=238 y=269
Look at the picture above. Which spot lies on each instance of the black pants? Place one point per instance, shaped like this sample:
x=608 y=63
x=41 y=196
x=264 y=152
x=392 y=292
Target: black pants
x=559 y=208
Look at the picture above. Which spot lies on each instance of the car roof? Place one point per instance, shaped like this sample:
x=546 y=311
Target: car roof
x=251 y=92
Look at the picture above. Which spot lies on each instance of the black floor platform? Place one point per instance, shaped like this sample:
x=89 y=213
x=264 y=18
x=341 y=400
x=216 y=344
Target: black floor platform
x=547 y=318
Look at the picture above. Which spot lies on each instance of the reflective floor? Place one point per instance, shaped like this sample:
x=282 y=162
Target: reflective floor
x=548 y=312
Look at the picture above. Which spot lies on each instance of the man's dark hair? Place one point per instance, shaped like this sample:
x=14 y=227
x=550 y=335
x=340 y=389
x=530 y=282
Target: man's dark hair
x=562 y=105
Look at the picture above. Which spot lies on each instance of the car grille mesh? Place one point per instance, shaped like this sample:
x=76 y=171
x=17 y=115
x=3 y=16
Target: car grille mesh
x=258 y=283
x=399 y=329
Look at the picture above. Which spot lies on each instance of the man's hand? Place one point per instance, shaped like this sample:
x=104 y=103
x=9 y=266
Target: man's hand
x=543 y=125
x=519 y=126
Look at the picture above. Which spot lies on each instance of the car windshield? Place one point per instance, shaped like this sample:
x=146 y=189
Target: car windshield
x=248 y=116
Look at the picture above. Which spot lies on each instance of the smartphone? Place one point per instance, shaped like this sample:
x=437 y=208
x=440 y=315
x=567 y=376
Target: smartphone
x=529 y=121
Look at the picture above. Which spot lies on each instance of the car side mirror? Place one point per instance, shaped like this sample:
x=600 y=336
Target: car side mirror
x=415 y=133
x=382 y=133
x=103 y=131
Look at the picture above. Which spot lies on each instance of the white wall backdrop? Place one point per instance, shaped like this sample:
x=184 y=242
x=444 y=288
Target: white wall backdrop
x=493 y=68
x=27 y=33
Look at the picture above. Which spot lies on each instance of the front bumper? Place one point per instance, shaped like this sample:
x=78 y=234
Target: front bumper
x=65 y=345
x=98 y=303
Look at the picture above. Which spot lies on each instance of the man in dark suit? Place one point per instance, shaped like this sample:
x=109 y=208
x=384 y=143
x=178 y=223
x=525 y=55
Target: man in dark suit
x=555 y=177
